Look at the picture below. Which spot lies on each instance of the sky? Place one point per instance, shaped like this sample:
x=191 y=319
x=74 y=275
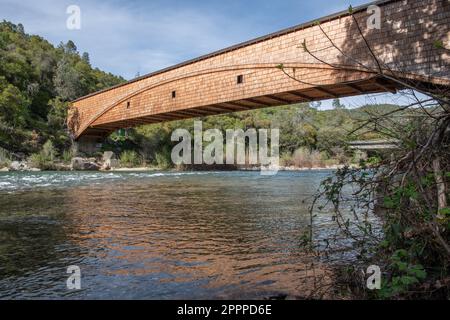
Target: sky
x=128 y=38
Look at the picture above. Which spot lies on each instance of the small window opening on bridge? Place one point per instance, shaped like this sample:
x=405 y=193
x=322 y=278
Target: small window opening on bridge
x=240 y=79
x=128 y=104
x=174 y=94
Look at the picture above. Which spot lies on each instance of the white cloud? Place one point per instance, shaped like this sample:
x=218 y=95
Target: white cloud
x=123 y=38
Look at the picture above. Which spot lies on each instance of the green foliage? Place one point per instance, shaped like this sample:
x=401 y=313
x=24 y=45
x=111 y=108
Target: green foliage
x=45 y=158
x=404 y=275
x=337 y=104
x=13 y=104
x=56 y=123
x=394 y=201
x=163 y=160
x=445 y=211
x=413 y=259
x=67 y=81
x=372 y=161
x=130 y=158
x=438 y=44
x=67 y=156
x=48 y=151
x=36 y=82
x=5 y=158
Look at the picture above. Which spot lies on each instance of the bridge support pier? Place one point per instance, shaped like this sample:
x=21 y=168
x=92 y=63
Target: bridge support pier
x=87 y=145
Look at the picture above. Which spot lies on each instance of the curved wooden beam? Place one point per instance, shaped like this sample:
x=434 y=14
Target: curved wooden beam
x=211 y=71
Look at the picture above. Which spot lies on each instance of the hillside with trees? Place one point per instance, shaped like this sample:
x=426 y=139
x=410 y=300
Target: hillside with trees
x=37 y=81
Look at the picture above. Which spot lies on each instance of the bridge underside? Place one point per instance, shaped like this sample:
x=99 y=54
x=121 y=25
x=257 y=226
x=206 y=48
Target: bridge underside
x=373 y=85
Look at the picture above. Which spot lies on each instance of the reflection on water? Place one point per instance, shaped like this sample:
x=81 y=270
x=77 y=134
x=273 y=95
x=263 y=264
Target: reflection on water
x=155 y=235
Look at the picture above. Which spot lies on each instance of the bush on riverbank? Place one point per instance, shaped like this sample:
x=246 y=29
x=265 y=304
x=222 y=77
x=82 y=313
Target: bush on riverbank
x=67 y=156
x=408 y=193
x=45 y=159
x=130 y=159
x=163 y=159
x=5 y=158
x=305 y=158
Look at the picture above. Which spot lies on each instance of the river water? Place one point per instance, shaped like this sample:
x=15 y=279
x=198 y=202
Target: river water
x=192 y=235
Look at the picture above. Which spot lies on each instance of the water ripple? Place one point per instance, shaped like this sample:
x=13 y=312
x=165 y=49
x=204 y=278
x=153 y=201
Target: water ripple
x=155 y=235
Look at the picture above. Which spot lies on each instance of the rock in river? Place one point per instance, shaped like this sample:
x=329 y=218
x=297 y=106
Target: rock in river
x=84 y=165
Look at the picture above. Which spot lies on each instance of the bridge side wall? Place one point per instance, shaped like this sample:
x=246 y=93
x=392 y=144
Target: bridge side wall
x=405 y=42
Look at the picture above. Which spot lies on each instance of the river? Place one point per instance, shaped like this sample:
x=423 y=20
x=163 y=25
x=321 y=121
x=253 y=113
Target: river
x=155 y=235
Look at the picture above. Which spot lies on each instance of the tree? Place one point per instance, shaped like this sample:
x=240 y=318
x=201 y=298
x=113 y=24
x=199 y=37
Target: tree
x=86 y=58
x=337 y=104
x=20 y=28
x=57 y=123
x=70 y=47
x=67 y=81
x=13 y=105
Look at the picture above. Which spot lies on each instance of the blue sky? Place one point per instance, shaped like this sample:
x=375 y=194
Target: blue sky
x=131 y=37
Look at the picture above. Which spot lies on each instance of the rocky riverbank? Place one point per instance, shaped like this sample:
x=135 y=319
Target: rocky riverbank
x=19 y=166
x=90 y=164
x=109 y=162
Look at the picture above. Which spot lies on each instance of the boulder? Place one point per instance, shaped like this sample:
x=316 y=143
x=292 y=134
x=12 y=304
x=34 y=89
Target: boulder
x=4 y=169
x=110 y=164
x=84 y=165
x=14 y=166
x=91 y=166
x=18 y=166
x=105 y=167
x=77 y=163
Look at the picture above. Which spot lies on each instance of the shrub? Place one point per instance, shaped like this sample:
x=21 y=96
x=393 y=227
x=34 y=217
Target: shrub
x=163 y=160
x=5 y=158
x=130 y=158
x=45 y=158
x=67 y=156
x=36 y=160
x=339 y=155
x=286 y=159
x=403 y=275
x=308 y=159
x=49 y=152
